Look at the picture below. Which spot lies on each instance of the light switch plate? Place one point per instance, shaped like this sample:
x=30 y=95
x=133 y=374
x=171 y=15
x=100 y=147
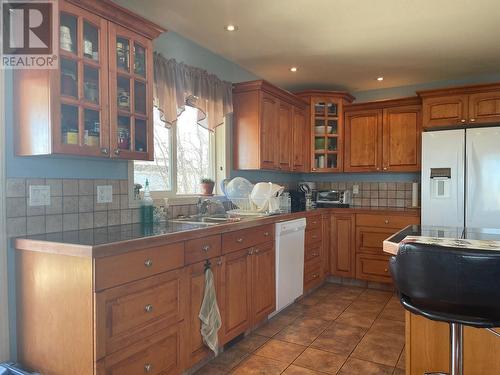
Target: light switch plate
x=104 y=193
x=39 y=195
x=355 y=189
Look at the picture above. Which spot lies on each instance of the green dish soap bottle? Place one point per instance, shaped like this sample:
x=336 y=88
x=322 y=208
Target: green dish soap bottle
x=147 y=206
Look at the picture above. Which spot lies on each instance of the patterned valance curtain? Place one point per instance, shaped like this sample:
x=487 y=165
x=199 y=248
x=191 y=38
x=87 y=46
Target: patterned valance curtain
x=177 y=84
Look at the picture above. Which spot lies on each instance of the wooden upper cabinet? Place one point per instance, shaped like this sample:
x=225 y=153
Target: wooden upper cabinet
x=484 y=107
x=72 y=110
x=300 y=147
x=326 y=128
x=461 y=106
x=264 y=119
x=445 y=111
x=401 y=138
x=285 y=136
x=363 y=141
x=383 y=136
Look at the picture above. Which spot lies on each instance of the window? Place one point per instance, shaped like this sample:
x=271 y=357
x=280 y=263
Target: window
x=184 y=154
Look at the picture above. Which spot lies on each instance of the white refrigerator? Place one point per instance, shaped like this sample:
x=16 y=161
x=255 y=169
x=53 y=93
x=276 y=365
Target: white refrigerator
x=461 y=178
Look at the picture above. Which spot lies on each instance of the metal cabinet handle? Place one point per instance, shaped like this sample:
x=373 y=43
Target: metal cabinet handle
x=378 y=169
x=148 y=308
x=239 y=240
x=385 y=168
x=104 y=151
x=472 y=120
x=250 y=252
x=257 y=251
x=205 y=248
x=315 y=276
x=462 y=121
x=314 y=236
x=117 y=152
x=386 y=221
x=314 y=169
x=148 y=367
x=148 y=262
x=314 y=254
x=219 y=262
x=266 y=234
x=385 y=269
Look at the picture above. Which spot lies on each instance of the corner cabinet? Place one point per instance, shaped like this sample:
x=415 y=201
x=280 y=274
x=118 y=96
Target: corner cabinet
x=269 y=128
x=99 y=101
x=383 y=136
x=326 y=128
x=461 y=106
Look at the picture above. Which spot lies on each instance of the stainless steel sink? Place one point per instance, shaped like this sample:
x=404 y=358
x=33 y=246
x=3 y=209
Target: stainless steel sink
x=206 y=220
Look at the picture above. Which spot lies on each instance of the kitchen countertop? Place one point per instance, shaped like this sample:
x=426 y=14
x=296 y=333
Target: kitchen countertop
x=487 y=239
x=100 y=242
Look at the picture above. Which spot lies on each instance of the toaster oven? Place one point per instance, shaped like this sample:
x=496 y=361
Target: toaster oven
x=338 y=198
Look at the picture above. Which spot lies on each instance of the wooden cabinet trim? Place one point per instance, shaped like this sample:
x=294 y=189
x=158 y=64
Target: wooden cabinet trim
x=343 y=245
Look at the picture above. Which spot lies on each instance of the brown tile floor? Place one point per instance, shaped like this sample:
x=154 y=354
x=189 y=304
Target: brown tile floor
x=338 y=329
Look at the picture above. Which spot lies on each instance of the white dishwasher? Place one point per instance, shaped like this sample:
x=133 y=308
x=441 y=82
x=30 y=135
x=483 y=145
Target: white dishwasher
x=290 y=238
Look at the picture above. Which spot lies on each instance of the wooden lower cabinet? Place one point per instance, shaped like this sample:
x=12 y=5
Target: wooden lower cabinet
x=428 y=348
x=159 y=354
x=195 y=279
x=342 y=242
x=236 y=294
x=315 y=269
x=263 y=282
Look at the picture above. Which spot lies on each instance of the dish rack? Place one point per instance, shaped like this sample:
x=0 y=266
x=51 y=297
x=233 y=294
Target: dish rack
x=245 y=207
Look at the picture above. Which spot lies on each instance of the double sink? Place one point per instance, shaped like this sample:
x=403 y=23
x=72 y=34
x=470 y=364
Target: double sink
x=206 y=220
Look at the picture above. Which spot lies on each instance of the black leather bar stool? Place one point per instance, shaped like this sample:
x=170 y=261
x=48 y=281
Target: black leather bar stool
x=453 y=285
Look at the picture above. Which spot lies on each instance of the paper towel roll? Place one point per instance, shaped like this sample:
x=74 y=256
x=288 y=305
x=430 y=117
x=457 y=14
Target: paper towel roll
x=414 y=194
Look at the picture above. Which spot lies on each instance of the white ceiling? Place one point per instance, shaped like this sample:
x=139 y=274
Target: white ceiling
x=341 y=44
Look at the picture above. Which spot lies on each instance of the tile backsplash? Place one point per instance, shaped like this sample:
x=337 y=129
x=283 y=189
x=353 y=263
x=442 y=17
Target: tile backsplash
x=73 y=206
x=375 y=194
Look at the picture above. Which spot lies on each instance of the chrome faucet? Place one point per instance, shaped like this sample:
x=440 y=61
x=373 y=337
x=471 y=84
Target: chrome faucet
x=203 y=206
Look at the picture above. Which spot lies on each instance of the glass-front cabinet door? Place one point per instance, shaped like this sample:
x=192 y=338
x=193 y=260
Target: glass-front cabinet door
x=131 y=93
x=82 y=80
x=325 y=116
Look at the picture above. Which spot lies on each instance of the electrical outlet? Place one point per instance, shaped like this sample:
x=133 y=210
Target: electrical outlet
x=39 y=195
x=104 y=193
x=355 y=189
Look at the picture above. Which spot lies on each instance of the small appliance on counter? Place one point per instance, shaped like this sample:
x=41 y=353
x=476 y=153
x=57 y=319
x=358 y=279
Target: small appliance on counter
x=333 y=198
x=298 y=200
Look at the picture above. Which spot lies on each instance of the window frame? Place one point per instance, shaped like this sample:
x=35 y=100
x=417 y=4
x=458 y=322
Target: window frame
x=219 y=150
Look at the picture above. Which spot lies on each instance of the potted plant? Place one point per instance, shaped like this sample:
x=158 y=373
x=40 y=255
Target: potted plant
x=207 y=186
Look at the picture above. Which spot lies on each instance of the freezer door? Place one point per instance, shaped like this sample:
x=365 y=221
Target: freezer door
x=483 y=178
x=443 y=153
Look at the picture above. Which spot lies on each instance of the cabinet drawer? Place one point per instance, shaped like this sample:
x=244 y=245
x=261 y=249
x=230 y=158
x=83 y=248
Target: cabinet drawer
x=313 y=236
x=373 y=268
x=120 y=269
x=129 y=313
x=241 y=239
x=313 y=222
x=370 y=239
x=312 y=251
x=312 y=273
x=386 y=221
x=159 y=354
x=202 y=248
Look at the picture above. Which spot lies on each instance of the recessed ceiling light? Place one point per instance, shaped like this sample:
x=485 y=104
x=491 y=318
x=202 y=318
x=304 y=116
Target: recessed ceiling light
x=293 y=69
x=380 y=78
x=231 y=27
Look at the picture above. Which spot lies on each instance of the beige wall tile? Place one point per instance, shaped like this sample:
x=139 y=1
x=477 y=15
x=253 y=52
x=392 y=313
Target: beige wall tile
x=16 y=207
x=53 y=223
x=33 y=181
x=114 y=217
x=136 y=215
x=85 y=187
x=35 y=225
x=55 y=186
x=70 y=204
x=86 y=203
x=115 y=185
x=125 y=216
x=55 y=206
x=85 y=220
x=124 y=202
x=115 y=205
x=123 y=186
x=99 y=206
x=70 y=222
x=34 y=210
x=16 y=226
x=15 y=187
x=100 y=219
x=70 y=187
x=99 y=182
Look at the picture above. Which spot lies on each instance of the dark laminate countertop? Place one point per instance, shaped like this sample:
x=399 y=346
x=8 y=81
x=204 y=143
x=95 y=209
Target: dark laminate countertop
x=456 y=237
x=111 y=240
